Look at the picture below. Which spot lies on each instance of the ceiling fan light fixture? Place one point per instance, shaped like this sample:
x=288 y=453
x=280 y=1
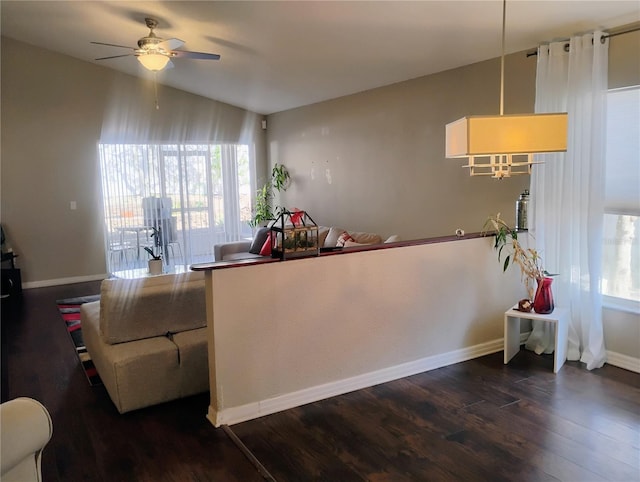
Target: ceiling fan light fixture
x=153 y=61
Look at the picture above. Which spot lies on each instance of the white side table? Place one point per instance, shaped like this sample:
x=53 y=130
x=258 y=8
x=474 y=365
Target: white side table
x=560 y=317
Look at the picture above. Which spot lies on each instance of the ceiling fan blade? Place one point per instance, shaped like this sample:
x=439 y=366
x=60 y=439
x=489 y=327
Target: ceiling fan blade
x=113 y=45
x=171 y=43
x=114 y=57
x=194 y=55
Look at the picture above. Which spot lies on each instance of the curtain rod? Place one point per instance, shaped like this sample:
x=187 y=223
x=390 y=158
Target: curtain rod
x=608 y=35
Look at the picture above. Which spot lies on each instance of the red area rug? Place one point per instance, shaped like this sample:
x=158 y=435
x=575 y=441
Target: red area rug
x=70 y=312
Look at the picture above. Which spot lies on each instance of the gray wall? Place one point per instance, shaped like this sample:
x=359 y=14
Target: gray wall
x=55 y=109
x=624 y=60
x=384 y=150
x=374 y=161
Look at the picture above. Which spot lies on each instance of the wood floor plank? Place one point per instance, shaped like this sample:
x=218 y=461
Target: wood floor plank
x=566 y=451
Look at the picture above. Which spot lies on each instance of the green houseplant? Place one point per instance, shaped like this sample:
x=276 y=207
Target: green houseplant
x=280 y=177
x=528 y=260
x=152 y=254
x=263 y=210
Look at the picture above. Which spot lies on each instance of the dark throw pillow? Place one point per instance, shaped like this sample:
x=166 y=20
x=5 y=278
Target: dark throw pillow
x=258 y=240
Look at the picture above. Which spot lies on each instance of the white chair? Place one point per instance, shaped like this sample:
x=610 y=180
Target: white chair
x=25 y=429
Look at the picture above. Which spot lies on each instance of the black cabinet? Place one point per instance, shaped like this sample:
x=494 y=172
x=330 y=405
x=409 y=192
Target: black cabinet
x=10 y=279
x=11 y=283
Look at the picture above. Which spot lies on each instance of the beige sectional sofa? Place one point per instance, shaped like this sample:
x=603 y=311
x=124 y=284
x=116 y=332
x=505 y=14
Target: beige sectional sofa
x=147 y=338
x=327 y=238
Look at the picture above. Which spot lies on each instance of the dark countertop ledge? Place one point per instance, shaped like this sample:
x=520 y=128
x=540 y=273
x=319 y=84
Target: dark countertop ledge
x=337 y=252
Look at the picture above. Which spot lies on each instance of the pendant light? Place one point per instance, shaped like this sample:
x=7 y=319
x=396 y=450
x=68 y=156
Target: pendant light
x=503 y=145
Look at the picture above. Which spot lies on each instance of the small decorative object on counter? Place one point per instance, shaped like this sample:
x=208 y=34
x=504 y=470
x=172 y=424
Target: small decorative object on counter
x=525 y=305
x=294 y=234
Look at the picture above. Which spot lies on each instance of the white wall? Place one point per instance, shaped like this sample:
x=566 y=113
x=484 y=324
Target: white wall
x=288 y=332
x=622 y=338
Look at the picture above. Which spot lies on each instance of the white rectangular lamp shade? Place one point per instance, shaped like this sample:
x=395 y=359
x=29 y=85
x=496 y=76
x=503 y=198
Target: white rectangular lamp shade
x=506 y=134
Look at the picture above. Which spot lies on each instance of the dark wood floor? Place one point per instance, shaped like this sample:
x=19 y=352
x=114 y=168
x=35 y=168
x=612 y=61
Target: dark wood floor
x=477 y=420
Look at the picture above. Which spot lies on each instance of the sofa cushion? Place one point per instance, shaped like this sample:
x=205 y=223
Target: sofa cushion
x=194 y=361
x=258 y=240
x=239 y=256
x=222 y=250
x=366 y=238
x=353 y=244
x=332 y=237
x=136 y=374
x=323 y=232
x=134 y=309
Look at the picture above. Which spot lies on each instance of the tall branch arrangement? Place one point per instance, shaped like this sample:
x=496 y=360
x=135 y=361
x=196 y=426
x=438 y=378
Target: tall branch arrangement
x=506 y=242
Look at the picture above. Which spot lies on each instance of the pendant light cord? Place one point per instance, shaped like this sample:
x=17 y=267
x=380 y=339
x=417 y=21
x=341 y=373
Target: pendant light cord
x=504 y=18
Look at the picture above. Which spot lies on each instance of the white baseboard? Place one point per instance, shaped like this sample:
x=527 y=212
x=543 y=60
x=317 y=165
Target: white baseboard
x=62 y=281
x=232 y=415
x=623 y=361
x=616 y=359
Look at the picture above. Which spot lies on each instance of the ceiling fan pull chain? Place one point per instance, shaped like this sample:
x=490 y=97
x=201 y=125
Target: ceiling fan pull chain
x=155 y=88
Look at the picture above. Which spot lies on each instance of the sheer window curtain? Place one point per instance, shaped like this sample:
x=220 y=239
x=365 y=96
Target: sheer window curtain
x=567 y=202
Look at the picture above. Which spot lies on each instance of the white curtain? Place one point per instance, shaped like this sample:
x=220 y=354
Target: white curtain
x=567 y=192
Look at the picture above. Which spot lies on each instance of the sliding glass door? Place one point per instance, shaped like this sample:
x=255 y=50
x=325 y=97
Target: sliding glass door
x=178 y=200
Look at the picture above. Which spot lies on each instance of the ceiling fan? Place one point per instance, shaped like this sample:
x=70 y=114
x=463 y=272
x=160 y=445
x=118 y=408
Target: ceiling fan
x=155 y=53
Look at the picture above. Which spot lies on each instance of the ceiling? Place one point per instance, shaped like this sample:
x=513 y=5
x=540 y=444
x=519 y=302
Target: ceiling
x=281 y=55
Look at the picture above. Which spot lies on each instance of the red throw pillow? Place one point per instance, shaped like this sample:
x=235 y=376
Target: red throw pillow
x=343 y=238
x=266 y=247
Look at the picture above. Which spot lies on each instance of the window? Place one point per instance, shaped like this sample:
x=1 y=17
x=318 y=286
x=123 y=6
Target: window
x=197 y=195
x=621 y=253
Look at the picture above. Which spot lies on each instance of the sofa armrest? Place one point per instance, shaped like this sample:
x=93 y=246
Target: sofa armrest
x=224 y=249
x=26 y=429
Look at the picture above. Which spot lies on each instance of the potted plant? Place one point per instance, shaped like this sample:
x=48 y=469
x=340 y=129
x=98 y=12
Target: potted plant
x=280 y=177
x=155 y=263
x=263 y=211
x=529 y=261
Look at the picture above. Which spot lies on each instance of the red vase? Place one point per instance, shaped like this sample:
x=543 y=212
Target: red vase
x=543 y=300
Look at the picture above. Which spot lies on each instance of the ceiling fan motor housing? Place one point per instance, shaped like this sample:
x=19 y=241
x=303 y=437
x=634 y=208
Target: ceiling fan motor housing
x=150 y=42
